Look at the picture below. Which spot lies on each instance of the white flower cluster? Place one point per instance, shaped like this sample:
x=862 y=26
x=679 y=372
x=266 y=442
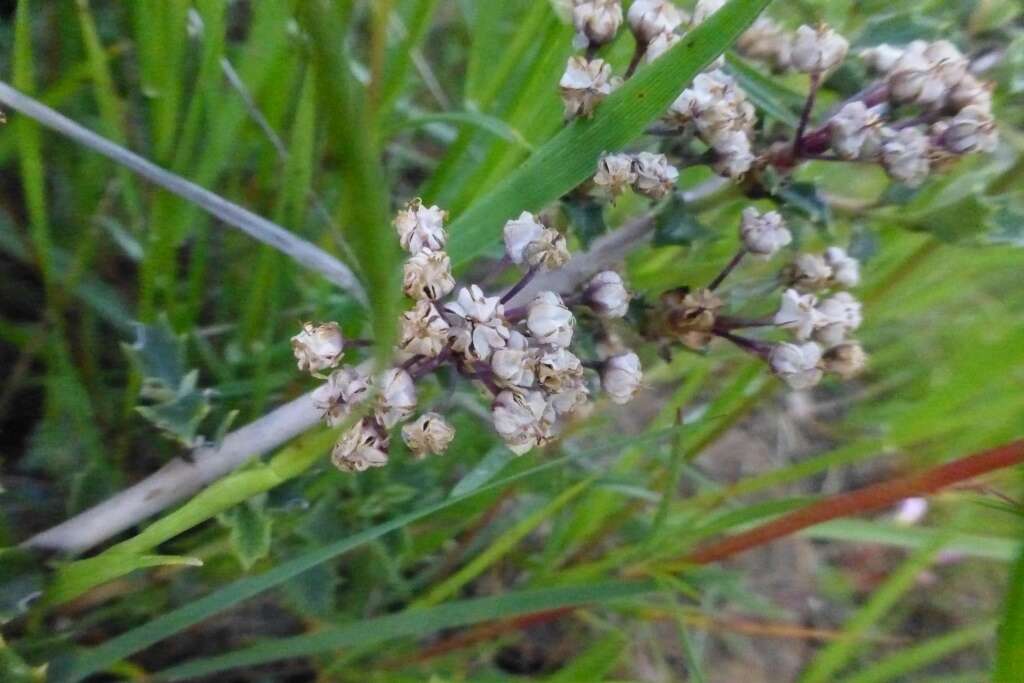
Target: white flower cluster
x=820 y=327
x=648 y=174
x=810 y=49
x=522 y=357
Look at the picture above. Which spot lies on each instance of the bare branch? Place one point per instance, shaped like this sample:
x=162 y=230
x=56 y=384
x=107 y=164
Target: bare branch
x=305 y=253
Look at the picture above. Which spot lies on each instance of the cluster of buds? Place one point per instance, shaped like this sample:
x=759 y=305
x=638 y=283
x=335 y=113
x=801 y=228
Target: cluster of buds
x=520 y=358
x=646 y=173
x=820 y=327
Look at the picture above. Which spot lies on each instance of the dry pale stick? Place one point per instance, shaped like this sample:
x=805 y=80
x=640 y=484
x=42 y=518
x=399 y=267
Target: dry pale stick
x=305 y=253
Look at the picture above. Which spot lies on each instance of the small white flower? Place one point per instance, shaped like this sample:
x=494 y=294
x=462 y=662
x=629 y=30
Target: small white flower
x=514 y=365
x=655 y=177
x=428 y=275
x=816 y=50
x=972 y=130
x=704 y=9
x=734 y=156
x=361 y=447
x=915 y=79
x=851 y=129
x=837 y=317
x=614 y=174
x=482 y=328
x=768 y=41
x=424 y=331
x=549 y=321
x=970 y=91
x=570 y=400
x=318 y=347
x=344 y=388
x=846 y=360
x=949 y=64
x=809 y=271
x=519 y=419
x=763 y=233
x=558 y=368
x=650 y=18
x=397 y=399
x=659 y=45
x=606 y=295
x=583 y=85
x=621 y=376
x=429 y=434
x=905 y=155
x=798 y=313
x=881 y=58
x=845 y=268
x=421 y=227
x=596 y=21
x=797 y=364
x=529 y=241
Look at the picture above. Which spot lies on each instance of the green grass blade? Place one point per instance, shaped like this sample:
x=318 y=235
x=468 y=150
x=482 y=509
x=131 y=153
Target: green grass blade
x=414 y=622
x=571 y=156
x=838 y=653
x=78 y=577
x=891 y=534
x=930 y=651
x=1010 y=655
x=364 y=203
x=773 y=98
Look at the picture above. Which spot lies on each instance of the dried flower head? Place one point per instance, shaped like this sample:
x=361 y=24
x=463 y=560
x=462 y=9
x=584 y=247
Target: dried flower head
x=606 y=295
x=596 y=21
x=519 y=419
x=421 y=227
x=363 y=446
x=817 y=49
x=855 y=131
x=846 y=360
x=655 y=177
x=808 y=271
x=529 y=241
x=424 y=331
x=651 y=18
x=481 y=329
x=429 y=434
x=837 y=316
x=615 y=174
x=690 y=316
x=763 y=233
x=397 y=398
x=318 y=347
x=798 y=365
x=704 y=9
x=798 y=313
x=845 y=268
x=345 y=387
x=550 y=321
x=584 y=84
x=428 y=275
x=906 y=155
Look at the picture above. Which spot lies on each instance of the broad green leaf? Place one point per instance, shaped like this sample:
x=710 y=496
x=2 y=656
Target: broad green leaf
x=414 y=623
x=1010 y=655
x=82 y=575
x=571 y=156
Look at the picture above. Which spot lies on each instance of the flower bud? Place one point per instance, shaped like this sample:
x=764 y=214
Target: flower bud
x=798 y=365
x=606 y=295
x=881 y=59
x=949 y=64
x=584 y=84
x=529 y=241
x=428 y=275
x=596 y=21
x=621 y=376
x=655 y=177
x=421 y=227
x=971 y=130
x=851 y=128
x=763 y=233
x=549 y=321
x=846 y=360
x=519 y=419
x=845 y=268
x=424 y=331
x=514 y=365
x=816 y=50
x=318 y=347
x=914 y=79
x=344 y=388
x=361 y=447
x=905 y=155
x=798 y=313
x=808 y=271
x=837 y=317
x=614 y=174
x=650 y=18
x=970 y=91
x=690 y=315
x=429 y=434
x=397 y=399
x=734 y=156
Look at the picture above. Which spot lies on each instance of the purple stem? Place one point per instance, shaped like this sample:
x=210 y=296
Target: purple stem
x=518 y=287
x=752 y=346
x=720 y=278
x=805 y=115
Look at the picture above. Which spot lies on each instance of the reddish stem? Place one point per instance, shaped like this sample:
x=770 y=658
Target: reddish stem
x=729 y=267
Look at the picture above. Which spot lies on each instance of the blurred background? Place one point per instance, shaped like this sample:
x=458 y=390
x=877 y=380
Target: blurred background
x=108 y=283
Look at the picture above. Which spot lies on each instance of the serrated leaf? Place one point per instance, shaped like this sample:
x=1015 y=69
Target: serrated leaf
x=587 y=218
x=1007 y=225
x=570 y=157
x=249 y=532
x=159 y=355
x=179 y=417
x=805 y=199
